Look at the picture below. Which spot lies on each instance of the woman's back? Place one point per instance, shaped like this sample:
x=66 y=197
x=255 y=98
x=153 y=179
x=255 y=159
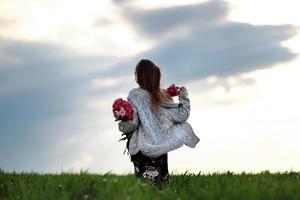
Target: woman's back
x=156 y=132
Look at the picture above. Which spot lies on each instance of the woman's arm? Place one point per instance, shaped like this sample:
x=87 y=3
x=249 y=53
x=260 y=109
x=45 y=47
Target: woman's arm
x=182 y=113
x=130 y=125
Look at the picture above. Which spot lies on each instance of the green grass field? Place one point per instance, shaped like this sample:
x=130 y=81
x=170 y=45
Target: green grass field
x=84 y=185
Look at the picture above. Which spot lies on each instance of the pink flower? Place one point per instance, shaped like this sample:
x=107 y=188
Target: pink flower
x=173 y=90
x=122 y=110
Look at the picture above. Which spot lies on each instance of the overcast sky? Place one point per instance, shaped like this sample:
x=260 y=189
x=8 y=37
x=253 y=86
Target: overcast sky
x=63 y=63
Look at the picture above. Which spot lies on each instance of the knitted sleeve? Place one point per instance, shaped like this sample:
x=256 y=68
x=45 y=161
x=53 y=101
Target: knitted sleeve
x=182 y=112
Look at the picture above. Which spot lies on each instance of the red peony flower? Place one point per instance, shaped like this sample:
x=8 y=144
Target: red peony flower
x=122 y=110
x=173 y=90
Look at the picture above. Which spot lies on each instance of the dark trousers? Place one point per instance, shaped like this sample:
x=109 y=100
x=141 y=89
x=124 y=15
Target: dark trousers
x=153 y=169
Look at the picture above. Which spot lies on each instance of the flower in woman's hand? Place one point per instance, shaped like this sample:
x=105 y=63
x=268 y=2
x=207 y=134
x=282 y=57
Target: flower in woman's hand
x=122 y=110
x=172 y=90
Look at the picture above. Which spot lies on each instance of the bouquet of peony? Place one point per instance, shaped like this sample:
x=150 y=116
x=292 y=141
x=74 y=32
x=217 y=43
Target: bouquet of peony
x=173 y=90
x=122 y=110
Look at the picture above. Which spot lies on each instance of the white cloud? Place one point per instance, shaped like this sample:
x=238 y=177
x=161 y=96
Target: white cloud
x=111 y=81
x=265 y=12
x=257 y=133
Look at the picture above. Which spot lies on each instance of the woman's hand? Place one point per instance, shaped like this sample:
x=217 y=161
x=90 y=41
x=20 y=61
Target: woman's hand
x=181 y=113
x=183 y=92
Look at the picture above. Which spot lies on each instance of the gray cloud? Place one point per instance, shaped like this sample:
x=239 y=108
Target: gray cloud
x=46 y=85
x=225 y=50
x=210 y=45
x=121 y=1
x=39 y=65
x=155 y=23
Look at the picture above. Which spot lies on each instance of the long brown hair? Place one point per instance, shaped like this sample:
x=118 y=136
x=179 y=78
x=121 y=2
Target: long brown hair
x=148 y=77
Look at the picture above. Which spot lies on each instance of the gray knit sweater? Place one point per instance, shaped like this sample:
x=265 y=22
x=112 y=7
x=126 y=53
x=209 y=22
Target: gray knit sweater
x=161 y=131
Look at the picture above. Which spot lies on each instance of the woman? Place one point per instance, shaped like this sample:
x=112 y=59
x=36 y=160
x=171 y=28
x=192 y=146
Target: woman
x=158 y=125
